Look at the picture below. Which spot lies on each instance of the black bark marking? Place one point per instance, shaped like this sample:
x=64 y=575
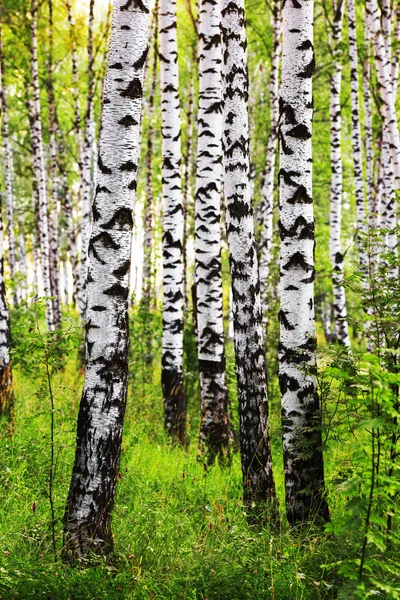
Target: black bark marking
x=141 y=61
x=284 y=321
x=122 y=220
x=300 y=196
x=134 y=90
x=105 y=170
x=135 y=5
x=123 y=269
x=288 y=383
x=128 y=166
x=300 y=132
x=308 y=70
x=298 y=260
x=118 y=291
x=128 y=121
x=287 y=176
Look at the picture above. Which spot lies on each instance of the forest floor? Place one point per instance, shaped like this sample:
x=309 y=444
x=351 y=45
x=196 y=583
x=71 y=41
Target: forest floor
x=180 y=529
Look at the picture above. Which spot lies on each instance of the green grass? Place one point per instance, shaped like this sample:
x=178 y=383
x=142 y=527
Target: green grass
x=180 y=531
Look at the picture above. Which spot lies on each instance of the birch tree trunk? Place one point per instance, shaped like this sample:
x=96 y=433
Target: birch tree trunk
x=301 y=414
x=6 y=391
x=148 y=276
x=356 y=134
x=369 y=152
x=87 y=522
x=8 y=169
x=39 y=166
x=172 y=346
x=86 y=183
x=258 y=481
x=267 y=200
x=339 y=294
x=187 y=192
x=387 y=89
x=79 y=148
x=214 y=427
x=54 y=184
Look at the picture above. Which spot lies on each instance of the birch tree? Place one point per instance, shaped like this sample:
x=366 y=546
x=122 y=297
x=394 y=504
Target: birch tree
x=87 y=524
x=8 y=168
x=301 y=415
x=387 y=89
x=54 y=182
x=172 y=345
x=214 y=428
x=86 y=182
x=267 y=201
x=147 y=285
x=258 y=481
x=356 y=133
x=39 y=167
x=339 y=294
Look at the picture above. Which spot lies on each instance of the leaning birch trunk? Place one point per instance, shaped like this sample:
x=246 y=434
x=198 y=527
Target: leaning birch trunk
x=301 y=414
x=258 y=481
x=87 y=522
x=86 y=183
x=339 y=294
x=356 y=136
x=39 y=166
x=172 y=347
x=214 y=426
x=54 y=184
x=267 y=200
x=8 y=170
x=387 y=87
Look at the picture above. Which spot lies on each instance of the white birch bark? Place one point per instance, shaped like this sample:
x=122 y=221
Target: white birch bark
x=214 y=427
x=148 y=275
x=187 y=192
x=86 y=182
x=384 y=74
x=356 y=134
x=8 y=169
x=396 y=51
x=369 y=152
x=6 y=392
x=172 y=345
x=336 y=196
x=87 y=524
x=258 y=482
x=39 y=166
x=22 y=265
x=301 y=415
x=267 y=193
x=54 y=183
